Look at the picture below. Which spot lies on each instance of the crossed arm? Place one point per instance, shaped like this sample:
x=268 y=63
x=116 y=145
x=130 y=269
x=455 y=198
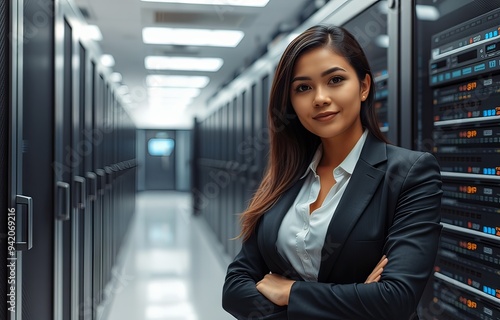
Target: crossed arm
x=277 y=288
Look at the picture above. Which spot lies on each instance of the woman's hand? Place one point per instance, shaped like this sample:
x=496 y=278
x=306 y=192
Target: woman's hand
x=377 y=271
x=276 y=288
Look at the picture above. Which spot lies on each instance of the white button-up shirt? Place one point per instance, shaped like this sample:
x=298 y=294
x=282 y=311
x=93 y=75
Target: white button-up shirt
x=301 y=235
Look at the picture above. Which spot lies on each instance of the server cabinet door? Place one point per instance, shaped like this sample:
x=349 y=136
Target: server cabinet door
x=88 y=80
x=13 y=271
x=65 y=172
x=31 y=164
x=79 y=194
x=98 y=163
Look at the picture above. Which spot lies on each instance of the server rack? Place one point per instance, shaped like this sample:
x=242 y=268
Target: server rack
x=457 y=118
x=71 y=188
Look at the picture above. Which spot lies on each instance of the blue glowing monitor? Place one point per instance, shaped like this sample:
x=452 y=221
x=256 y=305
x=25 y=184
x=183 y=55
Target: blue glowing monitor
x=161 y=147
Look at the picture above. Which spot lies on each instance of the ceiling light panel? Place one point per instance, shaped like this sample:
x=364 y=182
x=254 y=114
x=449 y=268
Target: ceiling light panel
x=241 y=3
x=183 y=63
x=167 y=105
x=177 y=81
x=192 y=37
x=93 y=32
x=173 y=92
x=162 y=101
x=116 y=77
x=107 y=60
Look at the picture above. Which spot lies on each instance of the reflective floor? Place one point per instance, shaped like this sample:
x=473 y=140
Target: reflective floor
x=171 y=266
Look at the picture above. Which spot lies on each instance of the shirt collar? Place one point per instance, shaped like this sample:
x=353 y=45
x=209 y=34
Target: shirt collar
x=349 y=162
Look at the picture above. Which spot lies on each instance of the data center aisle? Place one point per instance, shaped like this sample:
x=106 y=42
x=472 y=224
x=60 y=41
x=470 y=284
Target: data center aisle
x=171 y=267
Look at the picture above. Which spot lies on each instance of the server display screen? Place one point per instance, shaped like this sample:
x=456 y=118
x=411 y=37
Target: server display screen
x=458 y=304
x=457 y=118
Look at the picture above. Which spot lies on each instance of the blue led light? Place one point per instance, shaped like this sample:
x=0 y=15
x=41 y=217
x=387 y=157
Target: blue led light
x=490 y=171
x=480 y=67
x=488 y=113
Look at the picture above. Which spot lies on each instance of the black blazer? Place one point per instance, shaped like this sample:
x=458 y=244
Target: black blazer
x=391 y=206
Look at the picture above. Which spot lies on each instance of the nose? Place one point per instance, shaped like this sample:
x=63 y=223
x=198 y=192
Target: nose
x=321 y=98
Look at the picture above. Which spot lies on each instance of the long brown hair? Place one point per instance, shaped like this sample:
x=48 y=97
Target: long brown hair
x=291 y=145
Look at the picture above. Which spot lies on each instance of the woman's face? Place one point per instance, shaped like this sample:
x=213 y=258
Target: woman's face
x=326 y=94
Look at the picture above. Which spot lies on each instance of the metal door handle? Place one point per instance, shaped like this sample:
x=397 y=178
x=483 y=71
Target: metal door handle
x=62 y=201
x=80 y=192
x=28 y=243
x=92 y=185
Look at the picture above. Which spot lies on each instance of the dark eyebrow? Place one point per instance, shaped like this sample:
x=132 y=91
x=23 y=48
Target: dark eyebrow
x=324 y=73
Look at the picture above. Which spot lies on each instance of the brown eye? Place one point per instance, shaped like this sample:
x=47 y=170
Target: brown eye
x=336 y=80
x=301 y=88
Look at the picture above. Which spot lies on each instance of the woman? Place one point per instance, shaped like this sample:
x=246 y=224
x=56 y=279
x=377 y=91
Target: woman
x=336 y=199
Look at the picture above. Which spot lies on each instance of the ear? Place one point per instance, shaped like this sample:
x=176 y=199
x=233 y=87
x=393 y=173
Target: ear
x=365 y=85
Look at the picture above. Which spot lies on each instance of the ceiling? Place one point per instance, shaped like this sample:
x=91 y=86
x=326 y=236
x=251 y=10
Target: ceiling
x=121 y=23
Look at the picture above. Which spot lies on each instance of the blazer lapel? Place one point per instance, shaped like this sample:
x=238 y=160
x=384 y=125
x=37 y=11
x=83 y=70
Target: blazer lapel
x=363 y=184
x=268 y=233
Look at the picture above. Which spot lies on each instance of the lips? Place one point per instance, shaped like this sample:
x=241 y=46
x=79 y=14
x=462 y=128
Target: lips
x=324 y=116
